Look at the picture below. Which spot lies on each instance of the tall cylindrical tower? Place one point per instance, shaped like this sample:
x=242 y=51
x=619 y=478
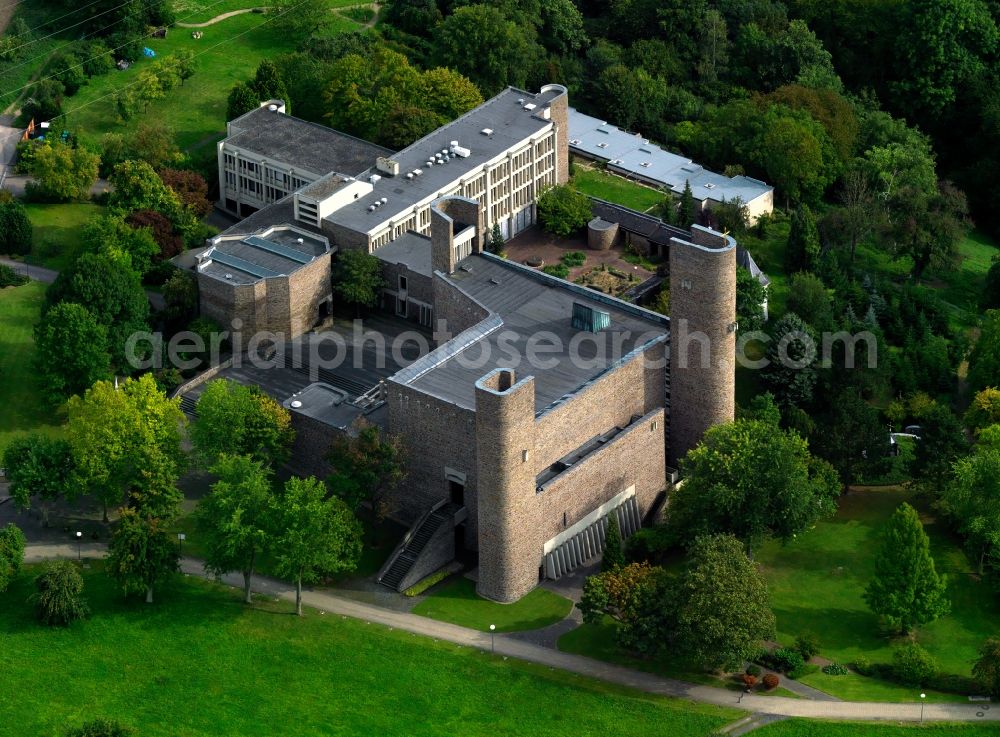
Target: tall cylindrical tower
x=702 y=336
x=509 y=553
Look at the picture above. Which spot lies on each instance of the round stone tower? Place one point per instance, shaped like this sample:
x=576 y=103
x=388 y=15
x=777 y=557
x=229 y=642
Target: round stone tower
x=509 y=553
x=702 y=337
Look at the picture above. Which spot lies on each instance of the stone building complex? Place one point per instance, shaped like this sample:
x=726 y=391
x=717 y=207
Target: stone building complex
x=539 y=407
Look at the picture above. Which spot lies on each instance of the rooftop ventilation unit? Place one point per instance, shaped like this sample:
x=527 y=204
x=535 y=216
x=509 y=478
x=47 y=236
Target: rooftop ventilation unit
x=709 y=186
x=602 y=145
x=520 y=101
x=428 y=163
x=530 y=106
x=574 y=142
x=453 y=143
x=384 y=200
x=371 y=208
x=486 y=132
x=461 y=152
x=417 y=172
x=409 y=175
x=374 y=178
x=273 y=108
x=646 y=164
x=229 y=276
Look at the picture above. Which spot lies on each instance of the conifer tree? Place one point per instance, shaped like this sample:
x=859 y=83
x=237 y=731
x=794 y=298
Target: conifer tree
x=686 y=210
x=613 y=558
x=906 y=590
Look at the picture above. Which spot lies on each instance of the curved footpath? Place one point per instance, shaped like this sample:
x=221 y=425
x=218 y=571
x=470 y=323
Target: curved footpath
x=218 y=18
x=510 y=646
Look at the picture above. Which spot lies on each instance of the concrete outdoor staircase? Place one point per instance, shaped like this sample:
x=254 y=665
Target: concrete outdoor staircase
x=353 y=388
x=189 y=406
x=416 y=556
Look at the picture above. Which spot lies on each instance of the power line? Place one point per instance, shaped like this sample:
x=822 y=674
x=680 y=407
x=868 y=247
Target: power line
x=80 y=23
x=110 y=51
x=64 y=15
x=200 y=53
x=67 y=45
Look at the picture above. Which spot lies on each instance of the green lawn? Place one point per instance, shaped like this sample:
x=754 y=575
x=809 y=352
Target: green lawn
x=56 y=243
x=197 y=110
x=805 y=728
x=199 y=11
x=963 y=287
x=617 y=189
x=458 y=603
x=23 y=408
x=817 y=581
x=200 y=663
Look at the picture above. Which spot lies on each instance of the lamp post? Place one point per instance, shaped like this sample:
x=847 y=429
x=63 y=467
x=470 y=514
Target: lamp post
x=493 y=645
x=922 y=697
x=79 y=546
x=181 y=537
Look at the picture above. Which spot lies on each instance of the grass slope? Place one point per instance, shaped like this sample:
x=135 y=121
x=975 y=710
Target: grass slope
x=22 y=407
x=617 y=189
x=458 y=603
x=56 y=244
x=197 y=110
x=200 y=663
x=817 y=582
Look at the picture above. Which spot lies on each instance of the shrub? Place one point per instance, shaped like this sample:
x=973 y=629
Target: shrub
x=749 y=681
x=770 y=681
x=912 y=665
x=101 y=728
x=10 y=278
x=425 y=583
x=647 y=544
x=574 y=258
x=799 y=673
x=58 y=600
x=786 y=659
x=862 y=666
x=835 y=669
x=15 y=229
x=754 y=670
x=557 y=270
x=11 y=553
x=807 y=644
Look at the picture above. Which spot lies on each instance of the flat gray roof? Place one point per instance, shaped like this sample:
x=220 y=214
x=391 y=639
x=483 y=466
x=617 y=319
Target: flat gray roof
x=503 y=114
x=299 y=143
x=246 y=258
x=524 y=303
x=410 y=249
x=633 y=156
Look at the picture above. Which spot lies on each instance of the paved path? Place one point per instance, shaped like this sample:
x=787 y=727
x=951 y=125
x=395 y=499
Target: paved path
x=219 y=18
x=509 y=646
x=9 y=138
x=47 y=276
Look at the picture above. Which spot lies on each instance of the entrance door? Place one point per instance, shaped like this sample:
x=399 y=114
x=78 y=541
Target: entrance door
x=457 y=492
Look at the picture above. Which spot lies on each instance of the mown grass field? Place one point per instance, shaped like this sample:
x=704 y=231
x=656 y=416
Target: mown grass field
x=56 y=237
x=228 y=52
x=457 y=602
x=817 y=582
x=198 y=663
x=21 y=405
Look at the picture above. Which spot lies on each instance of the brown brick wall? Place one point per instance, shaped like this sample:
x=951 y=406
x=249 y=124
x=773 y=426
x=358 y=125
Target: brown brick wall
x=635 y=457
x=437 y=435
x=611 y=400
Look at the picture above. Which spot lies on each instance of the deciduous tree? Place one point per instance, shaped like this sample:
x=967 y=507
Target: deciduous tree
x=315 y=536
x=751 y=479
x=71 y=352
x=58 y=596
x=357 y=278
x=12 y=543
x=141 y=553
x=61 y=173
x=986 y=669
x=719 y=605
x=563 y=210
x=236 y=519
x=39 y=469
x=240 y=420
x=367 y=465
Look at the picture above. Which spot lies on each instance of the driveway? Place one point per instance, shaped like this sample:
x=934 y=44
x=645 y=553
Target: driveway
x=9 y=138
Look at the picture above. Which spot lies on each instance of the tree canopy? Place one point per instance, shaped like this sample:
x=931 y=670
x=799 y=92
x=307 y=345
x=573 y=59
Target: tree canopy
x=751 y=479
